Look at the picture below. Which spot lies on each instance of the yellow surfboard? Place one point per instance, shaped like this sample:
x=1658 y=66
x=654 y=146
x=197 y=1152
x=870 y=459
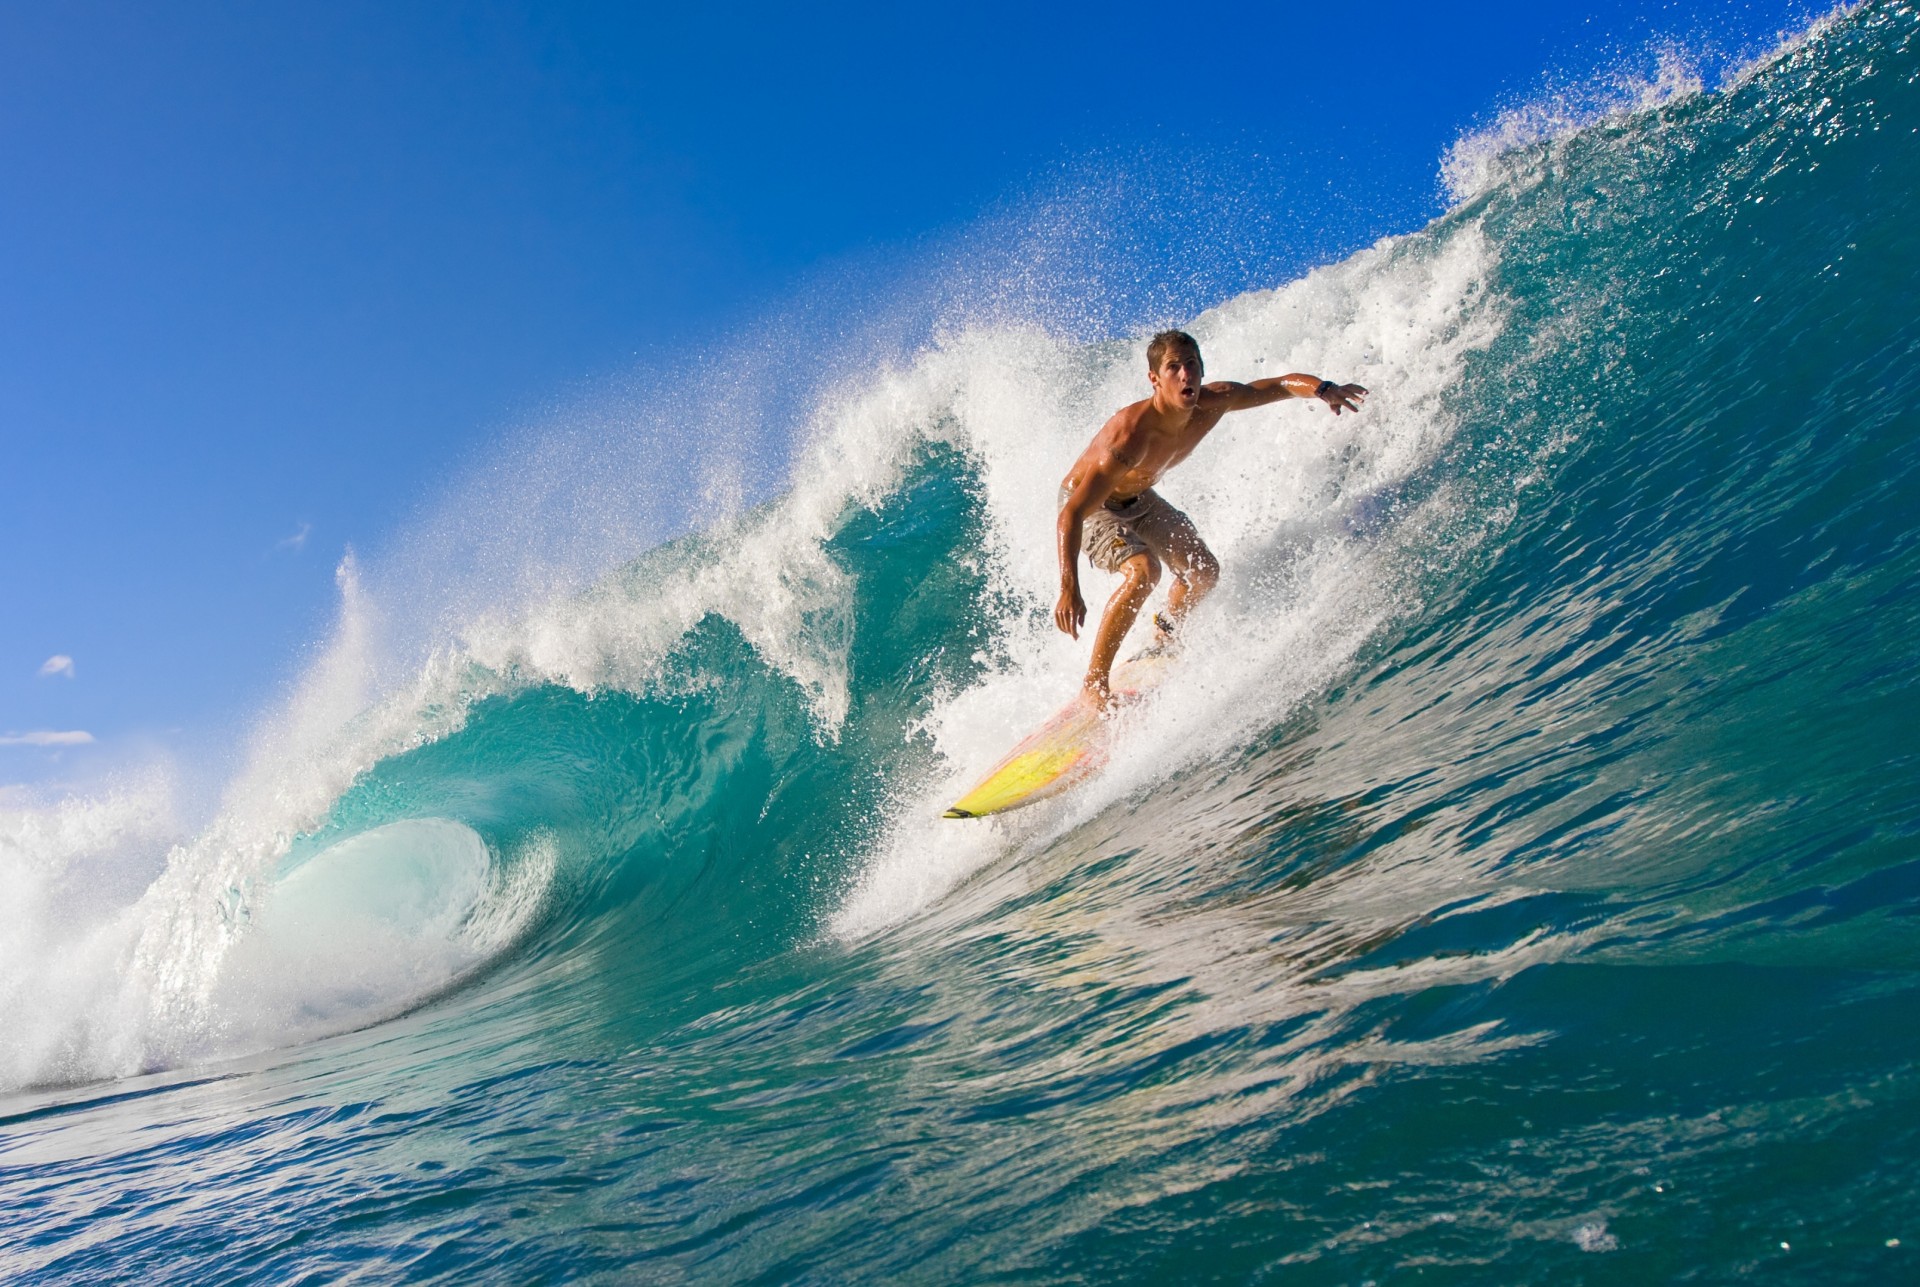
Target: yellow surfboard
x=1063 y=752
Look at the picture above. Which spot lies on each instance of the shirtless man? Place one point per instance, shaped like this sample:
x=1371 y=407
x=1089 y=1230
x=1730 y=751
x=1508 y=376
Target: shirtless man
x=1108 y=505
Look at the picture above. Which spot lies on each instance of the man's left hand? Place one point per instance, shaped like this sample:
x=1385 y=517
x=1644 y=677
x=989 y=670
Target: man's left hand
x=1344 y=397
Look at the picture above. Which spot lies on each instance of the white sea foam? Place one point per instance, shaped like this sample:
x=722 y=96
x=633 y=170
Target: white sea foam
x=65 y=868
x=1593 y=1236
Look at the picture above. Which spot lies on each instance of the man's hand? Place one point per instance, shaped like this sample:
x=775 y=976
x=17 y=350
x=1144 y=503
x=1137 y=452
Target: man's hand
x=1071 y=612
x=1344 y=397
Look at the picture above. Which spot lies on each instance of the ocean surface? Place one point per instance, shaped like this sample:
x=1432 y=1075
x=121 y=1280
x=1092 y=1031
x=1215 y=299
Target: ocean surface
x=1519 y=882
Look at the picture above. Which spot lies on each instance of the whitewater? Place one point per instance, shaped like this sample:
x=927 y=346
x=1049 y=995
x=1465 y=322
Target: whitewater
x=1516 y=881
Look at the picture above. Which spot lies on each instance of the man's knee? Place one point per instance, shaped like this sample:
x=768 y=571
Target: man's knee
x=1201 y=569
x=1142 y=571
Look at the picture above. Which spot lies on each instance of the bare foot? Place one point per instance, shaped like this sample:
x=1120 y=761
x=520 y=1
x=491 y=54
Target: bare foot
x=1105 y=702
x=1096 y=693
x=1166 y=639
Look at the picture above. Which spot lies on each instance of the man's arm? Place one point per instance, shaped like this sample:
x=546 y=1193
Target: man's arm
x=1093 y=485
x=1239 y=397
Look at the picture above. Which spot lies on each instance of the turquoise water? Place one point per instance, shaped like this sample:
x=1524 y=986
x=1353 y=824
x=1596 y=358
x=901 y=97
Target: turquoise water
x=1517 y=884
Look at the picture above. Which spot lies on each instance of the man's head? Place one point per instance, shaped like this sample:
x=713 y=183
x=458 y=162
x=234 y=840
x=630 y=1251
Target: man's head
x=1174 y=367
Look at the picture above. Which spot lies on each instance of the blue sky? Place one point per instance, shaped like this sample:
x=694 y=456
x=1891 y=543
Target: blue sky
x=270 y=273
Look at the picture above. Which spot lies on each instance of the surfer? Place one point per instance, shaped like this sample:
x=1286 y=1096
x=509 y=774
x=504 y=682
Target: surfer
x=1108 y=506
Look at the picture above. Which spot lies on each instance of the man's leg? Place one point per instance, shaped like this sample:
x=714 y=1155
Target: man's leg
x=1139 y=575
x=1195 y=573
x=1172 y=536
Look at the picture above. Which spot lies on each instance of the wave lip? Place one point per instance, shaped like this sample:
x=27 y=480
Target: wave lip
x=1485 y=158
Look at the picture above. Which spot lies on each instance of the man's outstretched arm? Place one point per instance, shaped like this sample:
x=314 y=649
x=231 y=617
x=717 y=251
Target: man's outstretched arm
x=1258 y=393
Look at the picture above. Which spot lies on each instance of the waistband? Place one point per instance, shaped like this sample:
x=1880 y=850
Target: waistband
x=1114 y=503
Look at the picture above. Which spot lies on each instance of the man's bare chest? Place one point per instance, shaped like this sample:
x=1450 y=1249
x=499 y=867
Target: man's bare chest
x=1155 y=452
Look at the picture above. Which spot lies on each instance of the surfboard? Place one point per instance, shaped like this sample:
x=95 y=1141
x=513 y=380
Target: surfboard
x=1065 y=751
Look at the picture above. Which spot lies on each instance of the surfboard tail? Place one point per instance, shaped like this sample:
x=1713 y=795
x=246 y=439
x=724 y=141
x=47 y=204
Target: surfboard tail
x=1064 y=751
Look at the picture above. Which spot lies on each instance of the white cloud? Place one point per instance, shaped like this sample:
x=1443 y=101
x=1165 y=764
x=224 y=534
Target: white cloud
x=58 y=664
x=296 y=542
x=47 y=737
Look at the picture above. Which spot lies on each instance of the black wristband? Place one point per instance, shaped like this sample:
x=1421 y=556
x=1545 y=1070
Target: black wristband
x=1321 y=392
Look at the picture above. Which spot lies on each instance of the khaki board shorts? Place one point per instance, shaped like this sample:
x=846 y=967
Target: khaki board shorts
x=1144 y=524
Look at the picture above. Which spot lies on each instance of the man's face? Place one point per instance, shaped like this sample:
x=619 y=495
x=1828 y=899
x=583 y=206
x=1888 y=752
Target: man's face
x=1178 y=377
